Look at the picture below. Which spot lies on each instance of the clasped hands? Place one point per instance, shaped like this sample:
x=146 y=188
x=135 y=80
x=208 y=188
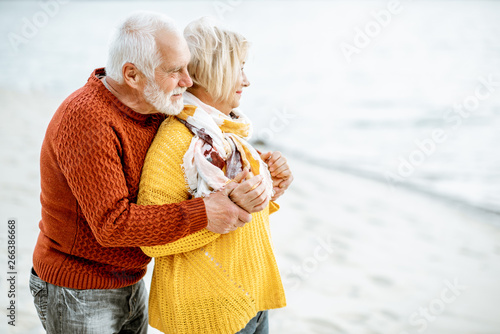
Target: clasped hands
x=232 y=206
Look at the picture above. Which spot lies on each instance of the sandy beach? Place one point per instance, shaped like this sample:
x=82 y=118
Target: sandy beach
x=356 y=256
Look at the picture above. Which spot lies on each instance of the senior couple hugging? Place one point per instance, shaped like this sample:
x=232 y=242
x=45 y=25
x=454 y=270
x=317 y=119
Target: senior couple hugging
x=150 y=158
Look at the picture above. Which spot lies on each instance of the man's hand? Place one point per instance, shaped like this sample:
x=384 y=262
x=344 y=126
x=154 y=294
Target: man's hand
x=223 y=215
x=280 y=172
x=249 y=194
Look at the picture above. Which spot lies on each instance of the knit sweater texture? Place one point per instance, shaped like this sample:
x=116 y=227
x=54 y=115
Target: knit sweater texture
x=205 y=282
x=90 y=167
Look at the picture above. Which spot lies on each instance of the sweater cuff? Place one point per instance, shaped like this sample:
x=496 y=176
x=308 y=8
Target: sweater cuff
x=197 y=214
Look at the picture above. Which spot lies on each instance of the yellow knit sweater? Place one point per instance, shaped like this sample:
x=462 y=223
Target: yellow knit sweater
x=205 y=282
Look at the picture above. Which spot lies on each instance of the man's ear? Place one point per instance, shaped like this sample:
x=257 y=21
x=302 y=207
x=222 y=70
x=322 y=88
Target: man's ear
x=132 y=76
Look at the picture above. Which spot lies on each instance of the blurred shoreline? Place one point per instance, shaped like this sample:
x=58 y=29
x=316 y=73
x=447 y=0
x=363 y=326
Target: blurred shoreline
x=405 y=83
x=389 y=256
x=355 y=256
x=370 y=175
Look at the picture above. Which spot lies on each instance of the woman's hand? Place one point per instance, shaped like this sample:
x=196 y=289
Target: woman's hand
x=280 y=172
x=250 y=194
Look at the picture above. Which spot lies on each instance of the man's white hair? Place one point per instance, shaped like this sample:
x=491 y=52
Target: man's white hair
x=134 y=42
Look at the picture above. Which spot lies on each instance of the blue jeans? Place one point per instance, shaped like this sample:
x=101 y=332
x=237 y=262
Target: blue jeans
x=257 y=325
x=64 y=310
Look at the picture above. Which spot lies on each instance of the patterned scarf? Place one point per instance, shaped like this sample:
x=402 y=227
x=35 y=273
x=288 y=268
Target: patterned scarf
x=219 y=149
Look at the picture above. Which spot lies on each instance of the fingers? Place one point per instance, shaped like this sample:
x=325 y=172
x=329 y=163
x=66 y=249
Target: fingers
x=275 y=160
x=286 y=174
x=244 y=217
x=286 y=182
x=223 y=215
x=257 y=196
x=239 y=223
x=254 y=195
x=262 y=205
x=251 y=195
x=281 y=172
x=241 y=176
x=265 y=156
x=249 y=185
x=258 y=204
x=238 y=218
x=229 y=188
x=278 y=166
x=279 y=187
x=277 y=181
x=277 y=193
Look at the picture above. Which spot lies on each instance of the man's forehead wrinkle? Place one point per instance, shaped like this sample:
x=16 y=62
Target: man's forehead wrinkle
x=175 y=64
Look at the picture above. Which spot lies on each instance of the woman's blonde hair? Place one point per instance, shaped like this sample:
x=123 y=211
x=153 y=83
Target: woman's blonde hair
x=216 y=57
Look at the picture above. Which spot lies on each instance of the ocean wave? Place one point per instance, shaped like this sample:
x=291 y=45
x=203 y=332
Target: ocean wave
x=489 y=202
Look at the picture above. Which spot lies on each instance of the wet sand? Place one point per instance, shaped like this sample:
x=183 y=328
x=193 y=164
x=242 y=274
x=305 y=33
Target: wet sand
x=355 y=256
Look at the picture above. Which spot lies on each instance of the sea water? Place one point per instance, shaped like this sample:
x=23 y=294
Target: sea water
x=369 y=87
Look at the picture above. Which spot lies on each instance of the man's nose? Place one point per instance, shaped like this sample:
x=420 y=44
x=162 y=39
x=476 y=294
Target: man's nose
x=185 y=80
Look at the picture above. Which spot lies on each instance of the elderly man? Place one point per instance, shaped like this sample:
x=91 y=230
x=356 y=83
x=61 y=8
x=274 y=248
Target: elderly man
x=87 y=264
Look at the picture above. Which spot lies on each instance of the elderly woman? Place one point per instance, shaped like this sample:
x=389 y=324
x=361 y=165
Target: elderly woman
x=208 y=282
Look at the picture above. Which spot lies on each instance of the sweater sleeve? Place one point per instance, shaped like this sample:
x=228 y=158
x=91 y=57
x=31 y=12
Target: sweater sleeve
x=89 y=154
x=163 y=182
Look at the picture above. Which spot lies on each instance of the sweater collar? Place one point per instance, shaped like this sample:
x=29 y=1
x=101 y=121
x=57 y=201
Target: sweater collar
x=95 y=80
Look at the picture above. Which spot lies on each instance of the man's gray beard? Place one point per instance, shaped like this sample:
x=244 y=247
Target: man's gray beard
x=161 y=101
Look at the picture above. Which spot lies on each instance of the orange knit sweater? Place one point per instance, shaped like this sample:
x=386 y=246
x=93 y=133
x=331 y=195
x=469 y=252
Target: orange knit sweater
x=90 y=167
